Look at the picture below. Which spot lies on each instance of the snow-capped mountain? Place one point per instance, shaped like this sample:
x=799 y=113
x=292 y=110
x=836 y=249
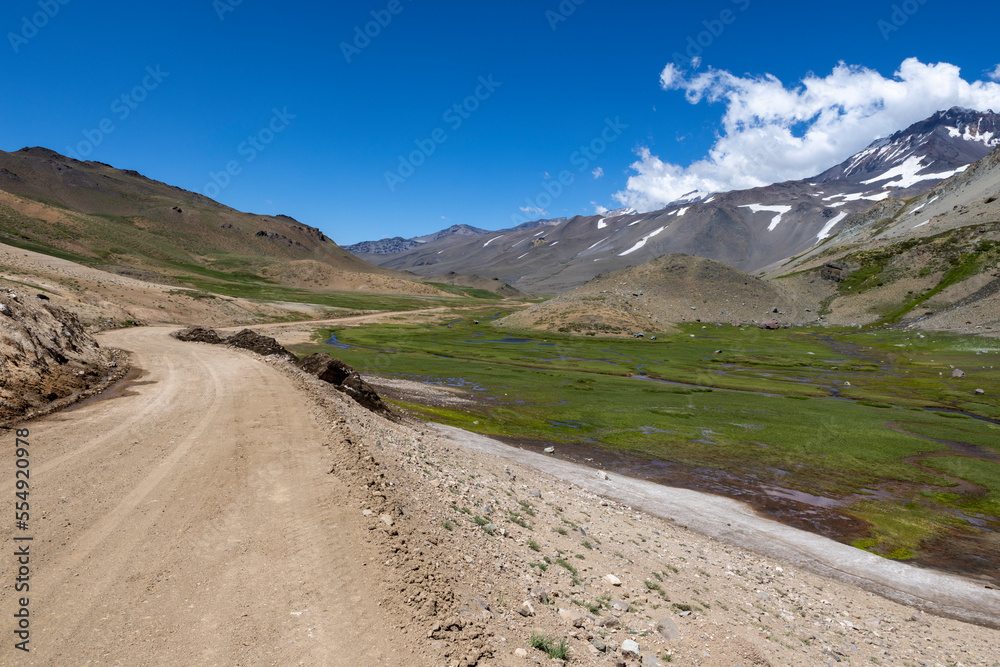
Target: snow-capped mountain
x=747 y=229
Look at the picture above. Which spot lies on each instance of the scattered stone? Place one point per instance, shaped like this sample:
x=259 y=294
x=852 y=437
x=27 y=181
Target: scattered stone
x=613 y=580
x=573 y=616
x=650 y=660
x=609 y=622
x=603 y=475
x=668 y=630
x=598 y=644
x=520 y=653
x=979 y=392
x=630 y=648
x=549 y=450
x=534 y=493
x=618 y=605
x=386 y=519
x=957 y=373
x=42 y=297
x=769 y=324
x=526 y=609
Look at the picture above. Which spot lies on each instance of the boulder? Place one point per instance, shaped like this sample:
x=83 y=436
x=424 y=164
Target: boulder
x=667 y=629
x=630 y=649
x=958 y=373
x=262 y=345
x=769 y=324
x=835 y=271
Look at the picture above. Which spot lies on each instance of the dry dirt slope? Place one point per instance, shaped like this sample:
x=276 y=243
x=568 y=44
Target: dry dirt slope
x=45 y=355
x=669 y=290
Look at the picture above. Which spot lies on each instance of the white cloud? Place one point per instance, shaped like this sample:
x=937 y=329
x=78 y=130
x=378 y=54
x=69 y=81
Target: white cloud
x=533 y=210
x=598 y=209
x=598 y=172
x=994 y=74
x=773 y=133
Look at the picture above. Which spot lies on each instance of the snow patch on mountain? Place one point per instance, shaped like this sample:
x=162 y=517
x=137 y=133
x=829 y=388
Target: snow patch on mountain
x=642 y=242
x=780 y=210
x=908 y=175
x=825 y=232
x=984 y=137
x=492 y=240
x=601 y=224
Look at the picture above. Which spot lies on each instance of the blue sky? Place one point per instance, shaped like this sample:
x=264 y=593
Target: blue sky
x=267 y=91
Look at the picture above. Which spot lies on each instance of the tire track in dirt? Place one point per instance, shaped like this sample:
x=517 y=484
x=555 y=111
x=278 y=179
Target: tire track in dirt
x=197 y=525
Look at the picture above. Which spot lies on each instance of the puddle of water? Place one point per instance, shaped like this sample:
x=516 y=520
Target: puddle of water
x=333 y=342
x=967 y=414
x=573 y=425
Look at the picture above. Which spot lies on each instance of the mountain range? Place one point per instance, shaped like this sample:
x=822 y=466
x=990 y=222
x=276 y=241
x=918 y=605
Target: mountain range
x=746 y=229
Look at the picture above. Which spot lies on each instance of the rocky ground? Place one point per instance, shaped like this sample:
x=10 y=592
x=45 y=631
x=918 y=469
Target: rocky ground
x=523 y=554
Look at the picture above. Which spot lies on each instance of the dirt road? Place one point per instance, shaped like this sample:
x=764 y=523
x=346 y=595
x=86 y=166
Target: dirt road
x=191 y=522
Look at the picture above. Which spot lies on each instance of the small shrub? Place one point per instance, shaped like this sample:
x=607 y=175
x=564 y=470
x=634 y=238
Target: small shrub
x=547 y=644
x=533 y=545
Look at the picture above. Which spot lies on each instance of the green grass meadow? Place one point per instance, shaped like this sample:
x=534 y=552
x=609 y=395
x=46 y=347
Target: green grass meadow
x=749 y=402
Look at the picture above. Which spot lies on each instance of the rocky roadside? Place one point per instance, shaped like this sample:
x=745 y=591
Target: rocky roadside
x=488 y=554
x=47 y=359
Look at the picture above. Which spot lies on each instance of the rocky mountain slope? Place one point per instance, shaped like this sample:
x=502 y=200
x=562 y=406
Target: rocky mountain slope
x=398 y=244
x=748 y=229
x=932 y=260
